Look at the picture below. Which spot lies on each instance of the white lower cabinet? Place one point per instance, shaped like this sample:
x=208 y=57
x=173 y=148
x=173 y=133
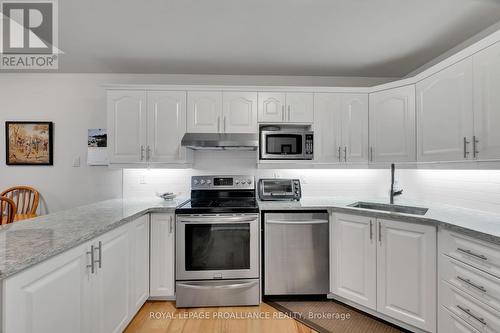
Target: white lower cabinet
x=406 y=273
x=385 y=265
x=162 y=255
x=65 y=294
x=469 y=283
x=354 y=259
x=52 y=297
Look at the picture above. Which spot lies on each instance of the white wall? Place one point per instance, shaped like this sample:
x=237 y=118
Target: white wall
x=475 y=189
x=76 y=102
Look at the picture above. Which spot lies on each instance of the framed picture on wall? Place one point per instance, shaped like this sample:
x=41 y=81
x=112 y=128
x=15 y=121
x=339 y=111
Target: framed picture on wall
x=29 y=143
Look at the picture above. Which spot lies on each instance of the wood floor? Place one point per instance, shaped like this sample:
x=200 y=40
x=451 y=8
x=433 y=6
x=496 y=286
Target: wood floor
x=161 y=316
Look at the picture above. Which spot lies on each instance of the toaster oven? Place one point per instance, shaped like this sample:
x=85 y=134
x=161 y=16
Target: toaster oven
x=279 y=189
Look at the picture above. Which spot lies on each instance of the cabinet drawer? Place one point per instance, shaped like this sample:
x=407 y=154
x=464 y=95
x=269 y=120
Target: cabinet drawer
x=450 y=323
x=477 y=253
x=478 y=315
x=479 y=284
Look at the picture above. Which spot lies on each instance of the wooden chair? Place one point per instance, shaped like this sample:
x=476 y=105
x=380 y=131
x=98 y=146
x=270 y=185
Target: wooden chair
x=26 y=200
x=7 y=210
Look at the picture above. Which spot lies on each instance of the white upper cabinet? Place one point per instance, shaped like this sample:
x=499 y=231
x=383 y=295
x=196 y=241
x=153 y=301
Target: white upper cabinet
x=286 y=107
x=239 y=112
x=299 y=108
x=204 y=111
x=487 y=103
x=341 y=127
x=392 y=125
x=127 y=126
x=272 y=107
x=354 y=127
x=167 y=125
x=444 y=114
x=353 y=260
x=406 y=273
x=146 y=127
x=327 y=127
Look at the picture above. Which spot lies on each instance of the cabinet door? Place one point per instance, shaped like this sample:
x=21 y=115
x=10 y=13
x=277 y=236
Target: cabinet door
x=52 y=297
x=406 y=274
x=166 y=125
x=239 y=112
x=271 y=107
x=327 y=128
x=162 y=255
x=392 y=125
x=444 y=114
x=353 y=259
x=112 y=283
x=204 y=110
x=355 y=127
x=487 y=102
x=139 y=267
x=127 y=124
x=299 y=108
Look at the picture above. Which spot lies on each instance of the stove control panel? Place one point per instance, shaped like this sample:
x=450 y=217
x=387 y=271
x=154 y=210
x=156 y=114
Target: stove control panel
x=238 y=182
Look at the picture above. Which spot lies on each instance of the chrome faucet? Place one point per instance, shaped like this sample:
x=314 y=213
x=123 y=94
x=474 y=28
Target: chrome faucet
x=394 y=193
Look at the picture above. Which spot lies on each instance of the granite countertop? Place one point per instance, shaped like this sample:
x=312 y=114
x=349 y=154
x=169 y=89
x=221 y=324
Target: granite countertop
x=26 y=243
x=477 y=223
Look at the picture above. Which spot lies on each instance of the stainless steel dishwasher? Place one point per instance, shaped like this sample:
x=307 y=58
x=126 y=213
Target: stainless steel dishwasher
x=296 y=253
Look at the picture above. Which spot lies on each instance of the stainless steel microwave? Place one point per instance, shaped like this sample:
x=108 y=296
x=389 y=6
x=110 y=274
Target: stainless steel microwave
x=286 y=144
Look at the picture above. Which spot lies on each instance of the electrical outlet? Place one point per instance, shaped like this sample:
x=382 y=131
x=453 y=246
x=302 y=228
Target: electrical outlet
x=76 y=162
x=142 y=179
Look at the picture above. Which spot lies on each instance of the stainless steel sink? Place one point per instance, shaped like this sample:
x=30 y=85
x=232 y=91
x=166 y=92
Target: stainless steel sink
x=390 y=208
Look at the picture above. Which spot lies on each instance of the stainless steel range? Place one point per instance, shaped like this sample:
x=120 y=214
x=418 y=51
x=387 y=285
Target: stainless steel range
x=217 y=243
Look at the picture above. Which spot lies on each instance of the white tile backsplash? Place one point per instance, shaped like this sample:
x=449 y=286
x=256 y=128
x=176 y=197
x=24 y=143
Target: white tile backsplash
x=476 y=189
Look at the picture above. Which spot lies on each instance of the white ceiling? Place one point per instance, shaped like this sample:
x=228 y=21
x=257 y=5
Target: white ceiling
x=386 y=38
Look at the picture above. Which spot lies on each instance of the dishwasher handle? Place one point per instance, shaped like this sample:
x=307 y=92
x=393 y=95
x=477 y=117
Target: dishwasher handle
x=312 y=221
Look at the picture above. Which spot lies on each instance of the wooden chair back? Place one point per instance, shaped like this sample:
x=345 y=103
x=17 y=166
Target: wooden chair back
x=7 y=210
x=25 y=198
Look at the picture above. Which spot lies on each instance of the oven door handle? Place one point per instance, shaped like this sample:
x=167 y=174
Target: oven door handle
x=218 y=219
x=296 y=221
x=227 y=286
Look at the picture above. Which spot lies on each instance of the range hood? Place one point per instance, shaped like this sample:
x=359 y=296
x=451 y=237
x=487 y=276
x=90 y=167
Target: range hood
x=216 y=141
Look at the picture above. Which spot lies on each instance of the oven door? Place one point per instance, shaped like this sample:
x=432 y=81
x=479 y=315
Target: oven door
x=282 y=145
x=217 y=246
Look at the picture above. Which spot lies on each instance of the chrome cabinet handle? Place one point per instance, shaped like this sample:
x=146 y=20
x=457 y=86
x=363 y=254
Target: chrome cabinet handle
x=283 y=112
x=475 y=141
x=288 y=112
x=218 y=124
x=148 y=153
x=171 y=225
x=345 y=153
x=380 y=233
x=472 y=284
x=469 y=252
x=142 y=152
x=469 y=312
x=371 y=154
x=340 y=154
x=371 y=230
x=99 y=251
x=225 y=124
x=91 y=265
x=466 y=153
